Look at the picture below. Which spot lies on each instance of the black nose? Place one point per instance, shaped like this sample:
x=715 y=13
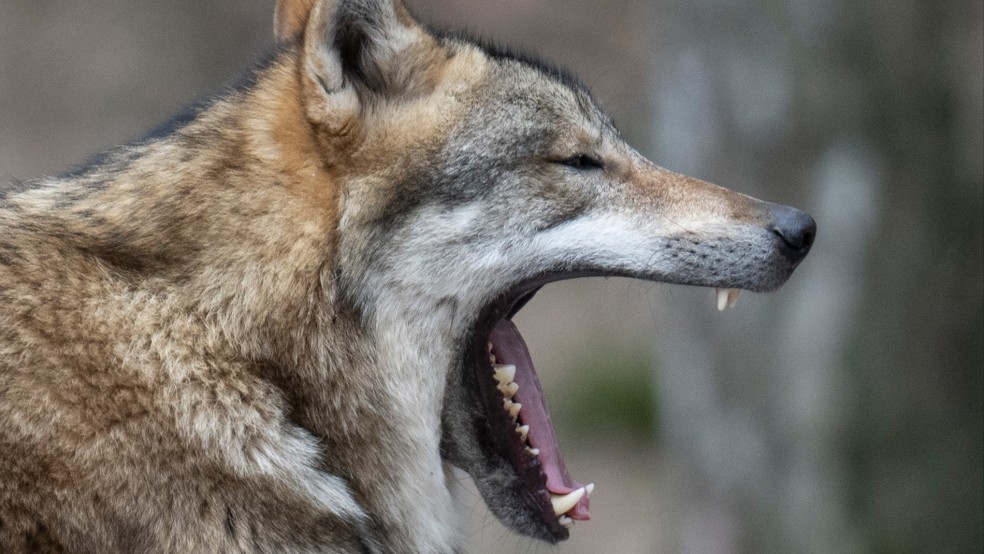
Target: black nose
x=795 y=228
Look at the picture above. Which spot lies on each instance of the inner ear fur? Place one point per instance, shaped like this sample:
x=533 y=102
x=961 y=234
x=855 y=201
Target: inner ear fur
x=290 y=18
x=372 y=49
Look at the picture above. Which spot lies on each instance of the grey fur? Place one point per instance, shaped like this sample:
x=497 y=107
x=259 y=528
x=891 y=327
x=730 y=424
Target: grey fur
x=255 y=331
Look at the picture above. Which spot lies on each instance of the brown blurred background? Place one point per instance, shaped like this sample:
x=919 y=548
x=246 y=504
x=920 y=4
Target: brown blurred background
x=841 y=414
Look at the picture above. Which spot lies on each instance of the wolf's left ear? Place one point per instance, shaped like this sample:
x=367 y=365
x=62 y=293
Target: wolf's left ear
x=356 y=52
x=290 y=18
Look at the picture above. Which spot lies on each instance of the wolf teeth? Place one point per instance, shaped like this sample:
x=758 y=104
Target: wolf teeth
x=509 y=390
x=512 y=407
x=524 y=432
x=727 y=298
x=505 y=374
x=562 y=503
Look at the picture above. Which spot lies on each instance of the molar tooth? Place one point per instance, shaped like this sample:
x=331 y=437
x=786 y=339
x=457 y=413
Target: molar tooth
x=505 y=374
x=722 y=299
x=732 y=297
x=562 y=503
x=514 y=409
x=524 y=432
x=509 y=390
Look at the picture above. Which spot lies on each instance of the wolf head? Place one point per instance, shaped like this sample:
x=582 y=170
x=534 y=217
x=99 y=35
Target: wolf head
x=466 y=179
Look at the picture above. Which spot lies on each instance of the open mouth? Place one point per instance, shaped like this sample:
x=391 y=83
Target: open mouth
x=514 y=455
x=519 y=421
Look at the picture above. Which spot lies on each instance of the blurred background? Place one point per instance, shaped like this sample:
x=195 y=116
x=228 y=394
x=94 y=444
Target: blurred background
x=840 y=414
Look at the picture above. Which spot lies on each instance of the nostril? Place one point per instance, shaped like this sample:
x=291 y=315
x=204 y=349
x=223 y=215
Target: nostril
x=808 y=237
x=797 y=229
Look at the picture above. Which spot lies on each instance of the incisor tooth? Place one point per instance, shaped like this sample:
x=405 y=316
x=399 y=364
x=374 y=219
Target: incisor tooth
x=722 y=298
x=732 y=297
x=505 y=374
x=563 y=503
x=533 y=451
x=566 y=521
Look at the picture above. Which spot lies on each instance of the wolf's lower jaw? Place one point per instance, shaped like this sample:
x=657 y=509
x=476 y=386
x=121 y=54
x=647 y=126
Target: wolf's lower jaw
x=504 y=375
x=534 y=432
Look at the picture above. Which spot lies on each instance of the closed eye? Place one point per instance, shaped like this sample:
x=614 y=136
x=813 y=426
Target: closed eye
x=583 y=162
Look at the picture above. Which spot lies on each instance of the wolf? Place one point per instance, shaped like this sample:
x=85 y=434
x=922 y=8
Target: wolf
x=273 y=325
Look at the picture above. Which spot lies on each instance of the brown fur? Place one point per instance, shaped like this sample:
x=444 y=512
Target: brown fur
x=197 y=347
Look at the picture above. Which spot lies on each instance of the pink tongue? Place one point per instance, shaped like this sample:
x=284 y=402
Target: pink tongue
x=509 y=348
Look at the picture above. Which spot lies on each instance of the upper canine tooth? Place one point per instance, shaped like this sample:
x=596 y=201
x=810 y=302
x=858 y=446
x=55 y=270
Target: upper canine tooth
x=722 y=298
x=732 y=297
x=563 y=503
x=505 y=374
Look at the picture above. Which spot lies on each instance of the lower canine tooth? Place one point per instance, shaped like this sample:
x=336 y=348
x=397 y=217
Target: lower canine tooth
x=563 y=503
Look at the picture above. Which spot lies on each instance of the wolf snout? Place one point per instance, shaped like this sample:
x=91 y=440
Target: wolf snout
x=796 y=229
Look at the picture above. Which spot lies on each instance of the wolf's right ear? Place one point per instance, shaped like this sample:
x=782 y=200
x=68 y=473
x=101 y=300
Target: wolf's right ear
x=355 y=52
